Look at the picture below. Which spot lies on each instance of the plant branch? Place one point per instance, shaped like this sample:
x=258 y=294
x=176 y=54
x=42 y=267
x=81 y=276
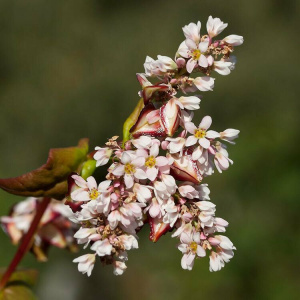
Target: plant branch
x=26 y=242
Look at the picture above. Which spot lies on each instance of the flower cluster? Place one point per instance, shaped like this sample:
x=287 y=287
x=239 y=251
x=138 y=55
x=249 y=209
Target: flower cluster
x=54 y=229
x=156 y=175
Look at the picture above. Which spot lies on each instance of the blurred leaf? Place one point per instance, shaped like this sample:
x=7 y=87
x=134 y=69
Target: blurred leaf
x=50 y=180
x=18 y=286
x=17 y=292
x=28 y=277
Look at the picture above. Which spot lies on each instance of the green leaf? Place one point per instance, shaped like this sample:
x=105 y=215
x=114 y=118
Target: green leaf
x=131 y=120
x=50 y=180
x=17 y=292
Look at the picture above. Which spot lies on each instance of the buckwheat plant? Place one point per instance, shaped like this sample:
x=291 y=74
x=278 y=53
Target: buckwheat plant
x=154 y=175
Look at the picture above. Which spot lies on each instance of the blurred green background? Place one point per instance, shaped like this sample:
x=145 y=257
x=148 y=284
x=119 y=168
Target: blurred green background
x=67 y=70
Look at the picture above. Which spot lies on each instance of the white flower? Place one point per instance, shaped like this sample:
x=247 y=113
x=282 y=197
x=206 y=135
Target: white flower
x=130 y=168
x=200 y=134
x=203 y=191
x=234 y=40
x=195 y=53
x=229 y=135
x=190 y=246
x=88 y=190
x=86 y=263
x=223 y=255
x=223 y=67
x=171 y=212
x=206 y=217
x=215 y=26
x=176 y=144
x=128 y=241
x=204 y=83
x=192 y=31
x=142 y=192
x=188 y=191
x=102 y=156
x=102 y=248
x=190 y=103
x=153 y=162
x=160 y=66
x=119 y=267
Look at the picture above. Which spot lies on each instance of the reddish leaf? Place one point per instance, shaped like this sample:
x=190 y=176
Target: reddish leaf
x=50 y=180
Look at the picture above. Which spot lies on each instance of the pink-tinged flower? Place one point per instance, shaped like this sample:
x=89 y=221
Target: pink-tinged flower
x=154 y=209
x=195 y=53
x=223 y=67
x=153 y=163
x=102 y=248
x=206 y=217
x=192 y=31
x=160 y=66
x=190 y=103
x=229 y=135
x=102 y=156
x=203 y=191
x=187 y=190
x=86 y=235
x=204 y=83
x=171 y=212
x=221 y=159
x=143 y=127
x=142 y=192
x=200 y=134
x=176 y=145
x=157 y=228
x=184 y=168
x=170 y=117
x=128 y=241
x=128 y=216
x=119 y=267
x=191 y=248
x=215 y=26
x=223 y=254
x=143 y=142
x=130 y=168
x=234 y=40
x=88 y=190
x=186 y=228
x=220 y=224
x=54 y=229
x=86 y=263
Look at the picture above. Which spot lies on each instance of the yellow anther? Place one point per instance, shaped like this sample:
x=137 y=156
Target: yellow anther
x=193 y=246
x=150 y=162
x=94 y=194
x=200 y=133
x=129 y=168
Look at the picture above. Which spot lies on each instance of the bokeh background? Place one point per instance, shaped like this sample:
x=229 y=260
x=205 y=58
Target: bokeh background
x=67 y=70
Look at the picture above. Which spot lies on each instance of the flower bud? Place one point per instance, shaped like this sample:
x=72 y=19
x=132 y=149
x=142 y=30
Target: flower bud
x=184 y=168
x=142 y=126
x=157 y=228
x=170 y=117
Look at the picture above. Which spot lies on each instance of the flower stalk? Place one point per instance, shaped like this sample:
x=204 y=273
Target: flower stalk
x=26 y=242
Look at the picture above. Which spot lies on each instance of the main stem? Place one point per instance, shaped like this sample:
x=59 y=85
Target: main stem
x=26 y=242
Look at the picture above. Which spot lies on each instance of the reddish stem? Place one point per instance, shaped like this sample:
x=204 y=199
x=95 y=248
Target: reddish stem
x=26 y=242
